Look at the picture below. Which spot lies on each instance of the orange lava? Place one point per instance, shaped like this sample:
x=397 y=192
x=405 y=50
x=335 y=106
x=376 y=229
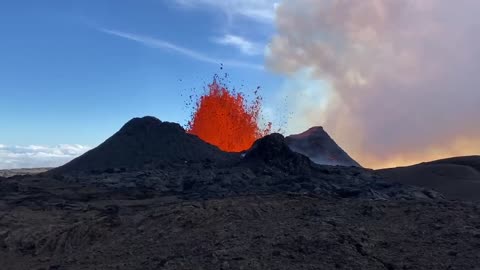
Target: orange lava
x=225 y=119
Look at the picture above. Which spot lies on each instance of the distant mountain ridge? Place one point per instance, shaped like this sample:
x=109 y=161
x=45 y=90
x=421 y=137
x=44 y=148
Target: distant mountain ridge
x=23 y=171
x=457 y=177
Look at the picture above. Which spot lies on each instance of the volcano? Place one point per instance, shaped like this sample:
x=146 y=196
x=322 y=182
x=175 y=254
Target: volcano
x=148 y=142
x=145 y=142
x=153 y=196
x=316 y=144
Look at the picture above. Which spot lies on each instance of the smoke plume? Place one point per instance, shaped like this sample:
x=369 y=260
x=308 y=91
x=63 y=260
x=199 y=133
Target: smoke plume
x=404 y=75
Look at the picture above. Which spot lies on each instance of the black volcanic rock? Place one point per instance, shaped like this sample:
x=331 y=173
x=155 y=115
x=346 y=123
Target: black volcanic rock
x=144 y=142
x=456 y=178
x=316 y=144
x=273 y=150
x=469 y=161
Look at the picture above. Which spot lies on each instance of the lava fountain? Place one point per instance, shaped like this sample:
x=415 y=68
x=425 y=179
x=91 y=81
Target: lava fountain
x=226 y=119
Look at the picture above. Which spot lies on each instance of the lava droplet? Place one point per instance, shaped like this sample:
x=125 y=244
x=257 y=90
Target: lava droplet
x=225 y=119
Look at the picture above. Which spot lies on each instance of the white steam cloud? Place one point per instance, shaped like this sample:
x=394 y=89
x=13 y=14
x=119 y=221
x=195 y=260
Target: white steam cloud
x=404 y=75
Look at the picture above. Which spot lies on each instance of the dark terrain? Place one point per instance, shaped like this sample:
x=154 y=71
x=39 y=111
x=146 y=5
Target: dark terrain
x=26 y=171
x=154 y=197
x=457 y=178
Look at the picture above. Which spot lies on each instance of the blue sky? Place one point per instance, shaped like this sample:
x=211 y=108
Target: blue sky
x=72 y=72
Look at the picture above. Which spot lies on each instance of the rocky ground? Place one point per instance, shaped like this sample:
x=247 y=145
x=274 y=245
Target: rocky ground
x=199 y=216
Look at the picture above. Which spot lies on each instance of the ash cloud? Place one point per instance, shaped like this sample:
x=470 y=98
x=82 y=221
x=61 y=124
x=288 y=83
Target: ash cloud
x=404 y=75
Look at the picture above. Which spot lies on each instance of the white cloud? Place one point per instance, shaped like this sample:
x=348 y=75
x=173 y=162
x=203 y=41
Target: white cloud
x=244 y=45
x=37 y=156
x=260 y=10
x=161 y=44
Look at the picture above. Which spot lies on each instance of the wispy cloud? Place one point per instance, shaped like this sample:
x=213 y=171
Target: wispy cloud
x=165 y=45
x=260 y=10
x=36 y=156
x=244 y=45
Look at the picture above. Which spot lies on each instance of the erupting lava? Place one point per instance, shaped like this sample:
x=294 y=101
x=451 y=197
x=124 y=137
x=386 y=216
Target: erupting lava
x=225 y=119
